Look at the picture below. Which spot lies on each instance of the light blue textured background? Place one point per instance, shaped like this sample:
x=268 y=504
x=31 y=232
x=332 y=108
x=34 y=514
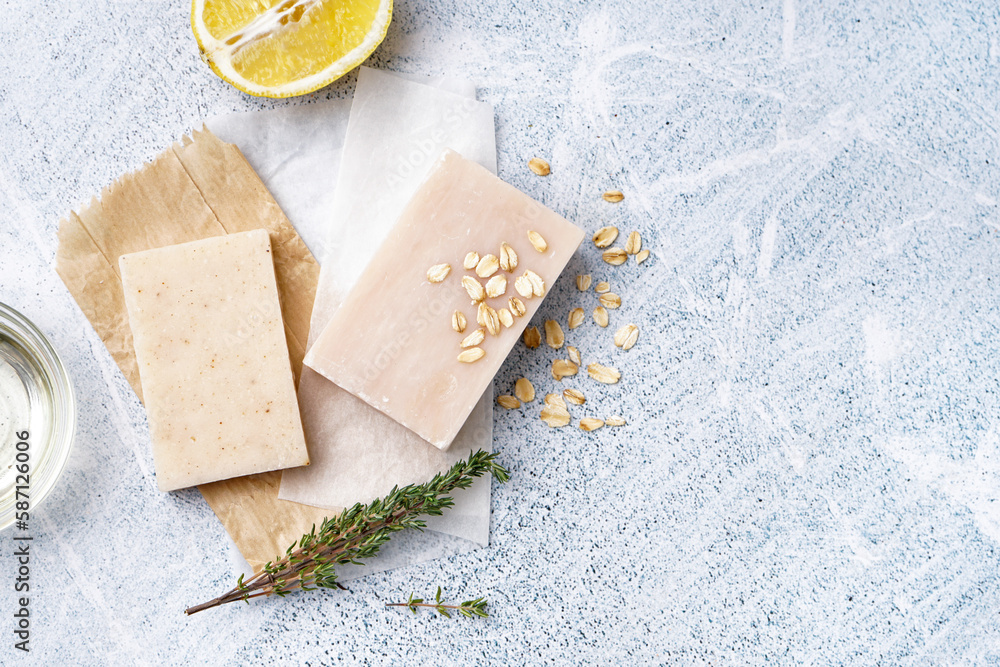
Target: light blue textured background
x=812 y=466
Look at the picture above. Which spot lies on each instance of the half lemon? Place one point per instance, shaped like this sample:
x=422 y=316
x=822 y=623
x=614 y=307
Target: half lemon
x=281 y=48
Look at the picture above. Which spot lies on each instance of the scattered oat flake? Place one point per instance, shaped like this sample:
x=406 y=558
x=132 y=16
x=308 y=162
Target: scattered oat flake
x=516 y=306
x=474 y=288
x=487 y=266
x=537 y=241
x=626 y=337
x=524 y=390
x=537 y=284
x=508 y=402
x=523 y=286
x=496 y=286
x=488 y=317
x=554 y=336
x=610 y=300
x=574 y=396
x=562 y=368
x=532 y=338
x=539 y=166
x=605 y=236
x=508 y=258
x=601 y=316
x=438 y=272
x=614 y=256
x=641 y=256
x=604 y=374
x=555 y=400
x=474 y=338
x=458 y=321
x=613 y=196
x=614 y=421
x=505 y=317
x=591 y=424
x=576 y=317
x=555 y=416
x=583 y=282
x=634 y=243
x=471 y=355
x=574 y=354
x=602 y=287
x=471 y=260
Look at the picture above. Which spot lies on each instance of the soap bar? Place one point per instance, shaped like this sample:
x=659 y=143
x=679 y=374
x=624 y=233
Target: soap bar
x=213 y=361
x=392 y=343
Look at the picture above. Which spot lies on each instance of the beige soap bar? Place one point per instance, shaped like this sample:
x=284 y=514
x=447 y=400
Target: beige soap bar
x=392 y=343
x=213 y=360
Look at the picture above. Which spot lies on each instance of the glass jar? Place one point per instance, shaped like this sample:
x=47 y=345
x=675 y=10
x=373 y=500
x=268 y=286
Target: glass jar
x=37 y=415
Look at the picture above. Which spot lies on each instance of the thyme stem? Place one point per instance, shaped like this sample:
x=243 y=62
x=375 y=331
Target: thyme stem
x=469 y=608
x=357 y=533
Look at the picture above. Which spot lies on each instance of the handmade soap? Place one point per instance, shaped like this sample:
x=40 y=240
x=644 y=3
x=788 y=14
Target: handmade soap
x=213 y=360
x=392 y=343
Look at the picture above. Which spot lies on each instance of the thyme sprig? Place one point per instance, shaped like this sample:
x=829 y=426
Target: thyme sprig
x=357 y=533
x=469 y=608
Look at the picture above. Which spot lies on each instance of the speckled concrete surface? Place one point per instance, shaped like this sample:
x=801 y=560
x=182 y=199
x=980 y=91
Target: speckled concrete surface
x=811 y=470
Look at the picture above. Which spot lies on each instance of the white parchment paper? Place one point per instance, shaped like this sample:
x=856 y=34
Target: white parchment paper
x=342 y=171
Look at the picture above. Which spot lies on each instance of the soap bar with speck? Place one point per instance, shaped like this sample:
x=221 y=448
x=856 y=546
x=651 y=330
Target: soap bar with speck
x=391 y=342
x=213 y=361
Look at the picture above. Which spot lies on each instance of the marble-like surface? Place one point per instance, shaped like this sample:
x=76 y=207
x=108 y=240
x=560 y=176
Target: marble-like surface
x=811 y=470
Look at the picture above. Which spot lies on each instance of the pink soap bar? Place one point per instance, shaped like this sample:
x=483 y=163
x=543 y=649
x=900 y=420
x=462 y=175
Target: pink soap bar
x=392 y=342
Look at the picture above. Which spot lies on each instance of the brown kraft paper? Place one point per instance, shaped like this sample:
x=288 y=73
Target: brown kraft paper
x=198 y=188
